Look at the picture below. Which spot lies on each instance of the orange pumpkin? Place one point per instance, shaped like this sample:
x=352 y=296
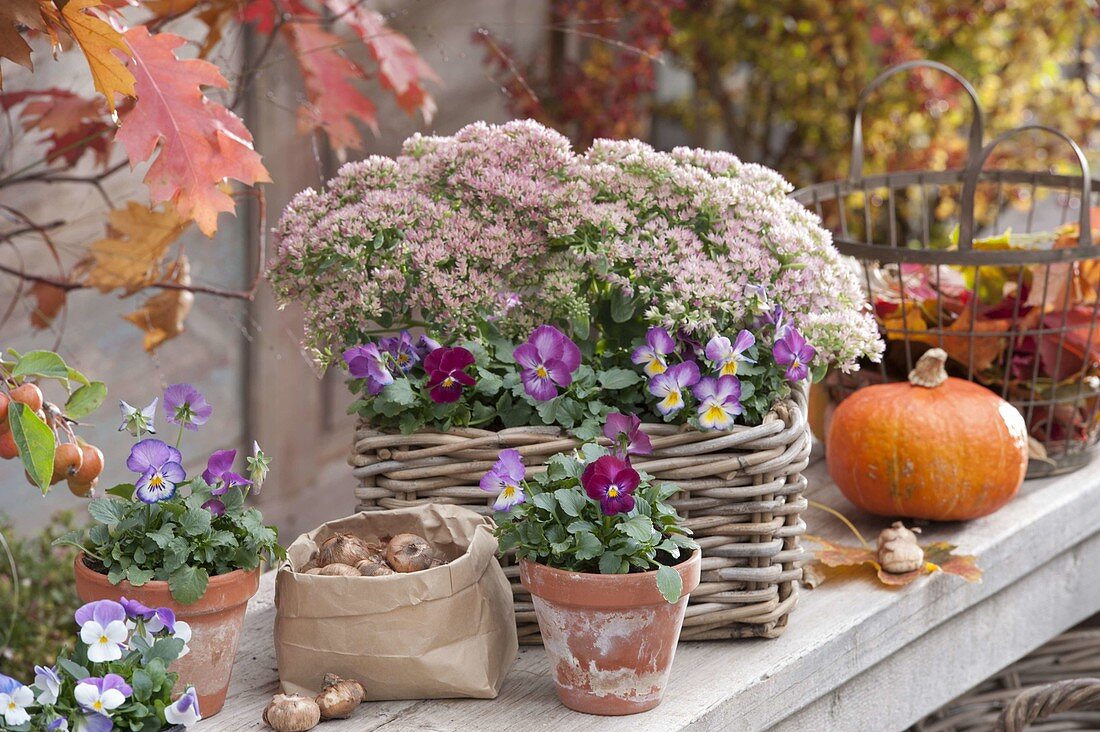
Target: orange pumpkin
x=936 y=448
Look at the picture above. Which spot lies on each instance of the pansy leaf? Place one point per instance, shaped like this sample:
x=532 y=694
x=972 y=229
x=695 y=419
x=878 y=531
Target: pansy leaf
x=638 y=527
x=75 y=670
x=187 y=584
x=123 y=490
x=670 y=583
x=570 y=500
x=618 y=378
x=195 y=522
x=107 y=510
x=545 y=501
x=36 y=443
x=612 y=563
x=137 y=576
x=588 y=546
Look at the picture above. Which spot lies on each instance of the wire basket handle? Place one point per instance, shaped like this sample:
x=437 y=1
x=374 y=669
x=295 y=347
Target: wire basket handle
x=974 y=172
x=977 y=123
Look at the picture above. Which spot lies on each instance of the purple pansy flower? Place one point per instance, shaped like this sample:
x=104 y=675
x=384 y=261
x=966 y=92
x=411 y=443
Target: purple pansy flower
x=48 y=683
x=719 y=401
x=159 y=465
x=446 y=373
x=218 y=473
x=155 y=619
x=653 y=355
x=670 y=386
x=186 y=406
x=215 y=506
x=425 y=345
x=547 y=361
x=185 y=710
x=15 y=697
x=625 y=433
x=103 y=629
x=775 y=316
x=611 y=481
x=725 y=355
x=102 y=695
x=61 y=724
x=792 y=350
x=401 y=349
x=366 y=362
x=506 y=480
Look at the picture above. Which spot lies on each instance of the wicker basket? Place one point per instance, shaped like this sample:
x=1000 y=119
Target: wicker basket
x=1041 y=686
x=741 y=494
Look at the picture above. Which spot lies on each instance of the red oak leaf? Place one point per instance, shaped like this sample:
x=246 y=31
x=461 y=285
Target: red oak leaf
x=201 y=142
x=400 y=68
x=335 y=102
x=75 y=124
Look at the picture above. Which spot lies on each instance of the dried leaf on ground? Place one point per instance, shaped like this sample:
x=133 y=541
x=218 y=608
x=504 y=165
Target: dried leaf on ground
x=163 y=315
x=99 y=41
x=938 y=558
x=201 y=143
x=130 y=256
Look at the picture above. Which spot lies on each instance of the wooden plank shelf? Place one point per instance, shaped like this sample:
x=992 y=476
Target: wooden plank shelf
x=857 y=656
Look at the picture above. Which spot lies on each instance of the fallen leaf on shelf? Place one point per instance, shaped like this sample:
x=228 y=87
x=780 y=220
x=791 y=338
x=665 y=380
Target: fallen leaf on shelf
x=938 y=558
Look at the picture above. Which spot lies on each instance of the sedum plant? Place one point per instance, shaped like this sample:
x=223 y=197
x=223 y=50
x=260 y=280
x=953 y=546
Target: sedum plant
x=591 y=511
x=166 y=527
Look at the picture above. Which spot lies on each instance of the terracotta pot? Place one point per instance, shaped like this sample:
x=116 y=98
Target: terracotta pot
x=610 y=637
x=215 y=620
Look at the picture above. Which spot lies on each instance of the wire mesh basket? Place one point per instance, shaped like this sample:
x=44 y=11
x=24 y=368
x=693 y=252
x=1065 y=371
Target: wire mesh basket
x=997 y=267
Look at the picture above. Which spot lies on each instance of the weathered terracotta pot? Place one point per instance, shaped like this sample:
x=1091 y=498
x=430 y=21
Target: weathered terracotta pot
x=215 y=620
x=610 y=638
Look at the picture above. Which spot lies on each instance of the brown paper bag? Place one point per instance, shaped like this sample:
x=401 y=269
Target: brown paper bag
x=449 y=631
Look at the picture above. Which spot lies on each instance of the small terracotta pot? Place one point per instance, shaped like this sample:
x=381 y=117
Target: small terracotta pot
x=215 y=620
x=610 y=637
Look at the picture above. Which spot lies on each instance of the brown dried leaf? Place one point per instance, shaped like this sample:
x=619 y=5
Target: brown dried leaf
x=938 y=558
x=130 y=256
x=986 y=347
x=13 y=14
x=963 y=565
x=48 y=301
x=162 y=316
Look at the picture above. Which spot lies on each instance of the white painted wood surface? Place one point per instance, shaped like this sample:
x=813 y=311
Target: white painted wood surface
x=857 y=656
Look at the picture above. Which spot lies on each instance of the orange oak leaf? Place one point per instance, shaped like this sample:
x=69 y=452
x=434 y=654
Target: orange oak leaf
x=401 y=70
x=74 y=124
x=335 y=103
x=129 y=257
x=938 y=558
x=99 y=41
x=201 y=142
x=15 y=14
x=162 y=316
x=48 y=301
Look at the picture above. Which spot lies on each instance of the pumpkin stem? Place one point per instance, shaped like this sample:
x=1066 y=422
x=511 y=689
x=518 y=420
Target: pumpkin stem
x=929 y=371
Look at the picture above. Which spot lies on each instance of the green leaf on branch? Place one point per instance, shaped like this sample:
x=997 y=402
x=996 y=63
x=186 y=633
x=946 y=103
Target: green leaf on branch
x=670 y=583
x=622 y=306
x=123 y=490
x=36 y=443
x=86 y=400
x=44 y=364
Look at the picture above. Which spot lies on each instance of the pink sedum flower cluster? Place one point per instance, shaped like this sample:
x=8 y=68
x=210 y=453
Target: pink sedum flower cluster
x=504 y=225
